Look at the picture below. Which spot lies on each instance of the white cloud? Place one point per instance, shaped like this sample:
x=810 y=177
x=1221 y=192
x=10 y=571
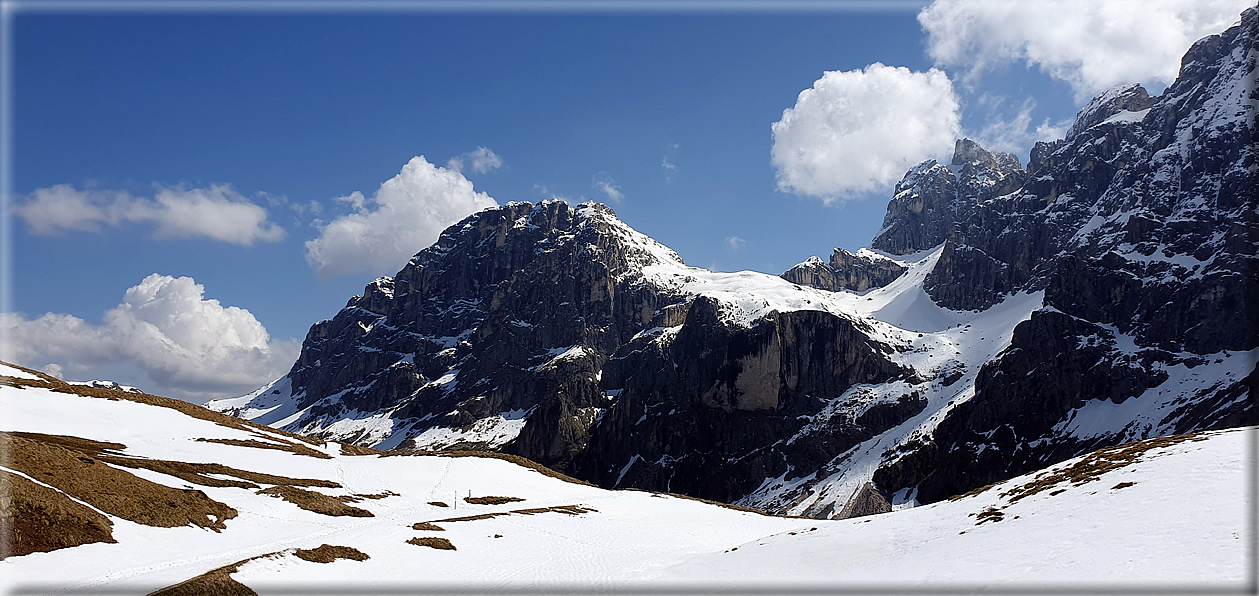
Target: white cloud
x=735 y=243
x=669 y=167
x=188 y=346
x=407 y=214
x=217 y=212
x=1091 y=45
x=1017 y=135
x=481 y=160
x=606 y=185
x=858 y=131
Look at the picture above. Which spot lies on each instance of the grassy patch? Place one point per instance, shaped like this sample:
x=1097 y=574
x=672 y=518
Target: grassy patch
x=492 y=500
x=427 y=527
x=328 y=553
x=216 y=582
x=315 y=502
x=347 y=449
x=1095 y=464
x=373 y=497
x=991 y=514
x=472 y=517
x=109 y=489
x=565 y=509
x=39 y=519
x=432 y=542
x=289 y=447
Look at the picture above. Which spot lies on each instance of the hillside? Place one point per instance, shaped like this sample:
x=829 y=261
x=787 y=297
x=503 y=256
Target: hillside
x=251 y=509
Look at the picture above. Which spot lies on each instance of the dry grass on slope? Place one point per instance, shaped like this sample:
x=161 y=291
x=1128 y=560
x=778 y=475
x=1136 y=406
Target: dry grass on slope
x=36 y=519
x=219 y=582
x=315 y=502
x=109 y=489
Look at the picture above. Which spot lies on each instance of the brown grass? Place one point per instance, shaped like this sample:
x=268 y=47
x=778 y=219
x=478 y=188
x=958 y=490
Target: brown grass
x=216 y=582
x=347 y=449
x=427 y=527
x=472 y=517
x=289 y=447
x=565 y=509
x=328 y=553
x=492 y=500
x=37 y=519
x=990 y=514
x=219 y=582
x=109 y=489
x=315 y=502
x=1095 y=464
x=373 y=497
x=432 y=542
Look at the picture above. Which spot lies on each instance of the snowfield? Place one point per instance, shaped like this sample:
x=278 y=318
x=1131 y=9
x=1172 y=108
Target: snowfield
x=1175 y=515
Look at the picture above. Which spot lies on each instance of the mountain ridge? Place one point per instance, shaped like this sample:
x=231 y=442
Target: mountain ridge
x=999 y=307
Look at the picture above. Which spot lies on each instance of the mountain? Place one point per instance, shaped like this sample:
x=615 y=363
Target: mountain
x=121 y=492
x=1005 y=318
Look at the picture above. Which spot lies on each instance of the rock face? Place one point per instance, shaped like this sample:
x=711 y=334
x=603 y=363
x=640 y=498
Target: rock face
x=1141 y=229
x=1006 y=319
x=562 y=335
x=858 y=271
x=866 y=500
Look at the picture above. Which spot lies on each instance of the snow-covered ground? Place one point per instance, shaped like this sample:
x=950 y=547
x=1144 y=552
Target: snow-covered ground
x=1182 y=523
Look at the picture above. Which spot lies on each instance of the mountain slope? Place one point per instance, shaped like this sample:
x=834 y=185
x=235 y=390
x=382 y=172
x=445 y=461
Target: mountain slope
x=1005 y=319
x=1139 y=505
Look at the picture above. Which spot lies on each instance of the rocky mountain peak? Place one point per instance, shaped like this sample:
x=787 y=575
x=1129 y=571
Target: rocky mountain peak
x=966 y=151
x=1131 y=97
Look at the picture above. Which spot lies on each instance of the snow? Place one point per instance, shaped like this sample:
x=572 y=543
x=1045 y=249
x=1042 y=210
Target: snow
x=495 y=431
x=1154 y=534
x=1127 y=116
x=17 y=373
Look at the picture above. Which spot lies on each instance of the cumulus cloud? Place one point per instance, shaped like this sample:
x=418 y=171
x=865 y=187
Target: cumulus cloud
x=1091 y=45
x=606 y=185
x=407 y=214
x=217 y=212
x=860 y=130
x=735 y=243
x=188 y=346
x=480 y=160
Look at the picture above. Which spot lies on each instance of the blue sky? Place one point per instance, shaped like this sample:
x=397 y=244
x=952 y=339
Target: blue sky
x=666 y=116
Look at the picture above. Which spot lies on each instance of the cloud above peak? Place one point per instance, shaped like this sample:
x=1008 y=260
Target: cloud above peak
x=406 y=215
x=859 y=131
x=217 y=212
x=479 y=160
x=188 y=346
x=1090 y=45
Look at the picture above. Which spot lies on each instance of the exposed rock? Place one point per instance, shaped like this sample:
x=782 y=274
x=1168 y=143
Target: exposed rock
x=866 y=500
x=858 y=272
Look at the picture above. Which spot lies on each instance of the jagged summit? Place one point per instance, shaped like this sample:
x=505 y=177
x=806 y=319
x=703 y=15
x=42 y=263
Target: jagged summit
x=1004 y=319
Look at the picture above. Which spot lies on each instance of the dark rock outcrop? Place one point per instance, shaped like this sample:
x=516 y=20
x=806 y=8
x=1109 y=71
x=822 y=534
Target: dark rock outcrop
x=846 y=271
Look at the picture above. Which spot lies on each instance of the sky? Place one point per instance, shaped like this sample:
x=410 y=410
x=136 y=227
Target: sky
x=189 y=187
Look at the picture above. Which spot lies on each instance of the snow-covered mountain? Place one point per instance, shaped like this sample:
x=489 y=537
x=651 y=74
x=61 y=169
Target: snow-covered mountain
x=1004 y=319
x=121 y=492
